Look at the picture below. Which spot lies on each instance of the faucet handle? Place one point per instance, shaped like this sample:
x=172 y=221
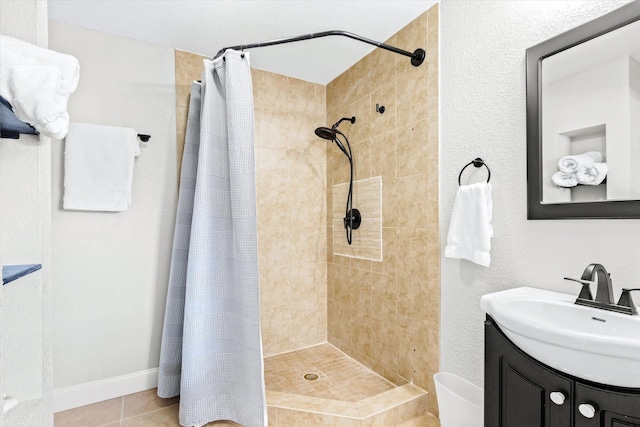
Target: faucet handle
x=585 y=292
x=626 y=300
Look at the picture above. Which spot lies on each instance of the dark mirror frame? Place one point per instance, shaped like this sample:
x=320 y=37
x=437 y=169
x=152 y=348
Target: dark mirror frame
x=582 y=210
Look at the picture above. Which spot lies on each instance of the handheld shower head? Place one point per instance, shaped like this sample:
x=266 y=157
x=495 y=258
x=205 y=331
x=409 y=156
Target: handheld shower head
x=332 y=135
x=352 y=217
x=326 y=133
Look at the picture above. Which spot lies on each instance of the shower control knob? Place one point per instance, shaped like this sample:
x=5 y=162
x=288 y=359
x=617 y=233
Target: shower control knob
x=587 y=410
x=557 y=397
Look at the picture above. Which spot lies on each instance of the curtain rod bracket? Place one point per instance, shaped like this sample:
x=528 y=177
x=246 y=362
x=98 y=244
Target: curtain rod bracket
x=417 y=57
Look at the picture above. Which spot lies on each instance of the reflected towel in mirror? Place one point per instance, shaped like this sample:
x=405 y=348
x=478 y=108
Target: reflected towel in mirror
x=566 y=180
x=592 y=174
x=571 y=164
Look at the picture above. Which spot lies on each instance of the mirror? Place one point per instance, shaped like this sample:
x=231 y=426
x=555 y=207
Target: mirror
x=583 y=120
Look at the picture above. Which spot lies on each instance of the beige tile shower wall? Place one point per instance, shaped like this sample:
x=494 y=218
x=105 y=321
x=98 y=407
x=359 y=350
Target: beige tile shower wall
x=291 y=189
x=292 y=230
x=386 y=314
x=366 y=242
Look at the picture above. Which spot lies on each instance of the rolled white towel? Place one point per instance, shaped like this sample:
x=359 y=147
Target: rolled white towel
x=592 y=174
x=571 y=164
x=566 y=180
x=38 y=82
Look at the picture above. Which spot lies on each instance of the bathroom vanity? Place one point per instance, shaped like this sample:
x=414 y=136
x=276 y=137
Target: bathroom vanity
x=523 y=392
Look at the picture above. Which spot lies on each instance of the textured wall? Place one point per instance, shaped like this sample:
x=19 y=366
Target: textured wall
x=25 y=238
x=290 y=180
x=111 y=269
x=386 y=314
x=483 y=115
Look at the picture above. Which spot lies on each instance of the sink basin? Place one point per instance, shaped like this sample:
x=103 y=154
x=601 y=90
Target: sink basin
x=589 y=343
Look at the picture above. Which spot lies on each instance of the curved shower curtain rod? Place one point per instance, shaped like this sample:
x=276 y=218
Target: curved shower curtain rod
x=417 y=57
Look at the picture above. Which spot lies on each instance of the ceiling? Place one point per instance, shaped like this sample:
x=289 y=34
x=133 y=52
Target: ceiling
x=206 y=26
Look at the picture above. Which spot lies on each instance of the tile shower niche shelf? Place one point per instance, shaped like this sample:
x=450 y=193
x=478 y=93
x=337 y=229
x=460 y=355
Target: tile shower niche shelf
x=13 y=272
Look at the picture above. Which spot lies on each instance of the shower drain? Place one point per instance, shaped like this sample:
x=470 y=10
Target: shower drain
x=311 y=377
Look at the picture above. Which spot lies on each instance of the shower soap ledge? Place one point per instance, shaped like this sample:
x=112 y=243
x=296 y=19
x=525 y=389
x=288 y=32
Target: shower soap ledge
x=13 y=272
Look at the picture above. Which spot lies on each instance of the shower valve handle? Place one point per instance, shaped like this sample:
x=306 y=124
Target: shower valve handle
x=353 y=219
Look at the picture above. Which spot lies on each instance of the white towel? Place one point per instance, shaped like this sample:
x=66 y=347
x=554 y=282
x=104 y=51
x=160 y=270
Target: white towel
x=37 y=82
x=592 y=174
x=571 y=164
x=470 y=230
x=566 y=180
x=98 y=167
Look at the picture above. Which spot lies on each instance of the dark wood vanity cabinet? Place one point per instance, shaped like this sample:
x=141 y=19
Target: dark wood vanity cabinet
x=522 y=392
x=615 y=408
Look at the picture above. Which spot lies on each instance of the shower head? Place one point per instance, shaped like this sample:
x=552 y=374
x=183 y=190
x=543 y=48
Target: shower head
x=330 y=134
x=326 y=133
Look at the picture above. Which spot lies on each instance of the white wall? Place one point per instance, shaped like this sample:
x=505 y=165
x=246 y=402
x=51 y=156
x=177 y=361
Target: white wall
x=483 y=115
x=25 y=230
x=111 y=269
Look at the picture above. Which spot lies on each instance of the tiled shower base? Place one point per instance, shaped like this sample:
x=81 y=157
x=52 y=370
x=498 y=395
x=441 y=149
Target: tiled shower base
x=345 y=393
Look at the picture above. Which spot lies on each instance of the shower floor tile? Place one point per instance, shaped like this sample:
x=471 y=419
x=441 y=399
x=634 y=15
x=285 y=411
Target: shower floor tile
x=339 y=376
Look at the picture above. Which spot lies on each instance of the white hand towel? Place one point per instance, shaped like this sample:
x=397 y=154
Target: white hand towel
x=98 y=167
x=37 y=82
x=562 y=179
x=571 y=164
x=592 y=174
x=470 y=230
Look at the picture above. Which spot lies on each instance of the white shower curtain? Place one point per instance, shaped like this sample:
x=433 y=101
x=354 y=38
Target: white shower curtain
x=211 y=352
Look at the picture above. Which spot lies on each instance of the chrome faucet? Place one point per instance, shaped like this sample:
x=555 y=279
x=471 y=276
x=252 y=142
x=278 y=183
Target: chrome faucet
x=598 y=275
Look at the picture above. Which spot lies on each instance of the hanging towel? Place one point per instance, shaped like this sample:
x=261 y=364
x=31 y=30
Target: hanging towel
x=38 y=82
x=11 y=126
x=98 y=163
x=592 y=174
x=571 y=164
x=566 y=180
x=470 y=230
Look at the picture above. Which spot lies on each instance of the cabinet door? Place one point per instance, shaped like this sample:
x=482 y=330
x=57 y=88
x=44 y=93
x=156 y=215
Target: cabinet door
x=518 y=388
x=612 y=408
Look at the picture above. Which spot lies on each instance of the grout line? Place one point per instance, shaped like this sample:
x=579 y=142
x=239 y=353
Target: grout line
x=147 y=413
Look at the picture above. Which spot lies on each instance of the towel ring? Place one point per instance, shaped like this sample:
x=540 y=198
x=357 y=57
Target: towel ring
x=477 y=162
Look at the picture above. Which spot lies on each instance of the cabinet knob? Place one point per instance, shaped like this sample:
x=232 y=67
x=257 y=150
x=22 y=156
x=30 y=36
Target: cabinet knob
x=587 y=410
x=557 y=397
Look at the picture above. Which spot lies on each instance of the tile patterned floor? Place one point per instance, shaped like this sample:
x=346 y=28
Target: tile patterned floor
x=339 y=377
x=144 y=409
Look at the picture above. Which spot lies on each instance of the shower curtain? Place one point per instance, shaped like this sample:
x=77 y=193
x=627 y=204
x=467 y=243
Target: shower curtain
x=211 y=353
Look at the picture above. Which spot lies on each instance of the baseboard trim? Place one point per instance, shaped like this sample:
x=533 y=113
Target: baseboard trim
x=97 y=391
